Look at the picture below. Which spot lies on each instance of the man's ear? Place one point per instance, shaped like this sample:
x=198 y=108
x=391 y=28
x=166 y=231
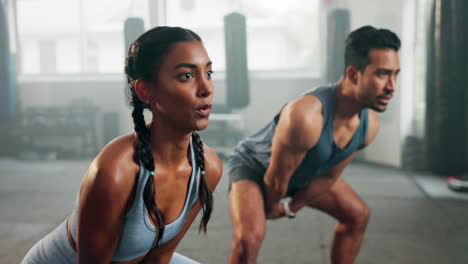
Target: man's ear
x=144 y=91
x=353 y=74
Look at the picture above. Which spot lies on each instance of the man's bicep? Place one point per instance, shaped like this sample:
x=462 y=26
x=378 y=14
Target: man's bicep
x=285 y=159
x=290 y=144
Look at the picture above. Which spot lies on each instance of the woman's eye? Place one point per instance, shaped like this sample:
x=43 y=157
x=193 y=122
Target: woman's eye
x=185 y=76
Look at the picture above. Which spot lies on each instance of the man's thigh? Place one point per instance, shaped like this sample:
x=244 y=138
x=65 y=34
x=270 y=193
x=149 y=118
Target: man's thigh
x=246 y=201
x=340 y=201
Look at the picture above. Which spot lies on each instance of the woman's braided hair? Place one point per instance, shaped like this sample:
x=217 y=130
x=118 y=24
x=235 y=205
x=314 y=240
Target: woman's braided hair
x=145 y=55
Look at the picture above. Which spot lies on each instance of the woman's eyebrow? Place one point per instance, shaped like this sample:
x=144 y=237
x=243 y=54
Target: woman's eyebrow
x=191 y=65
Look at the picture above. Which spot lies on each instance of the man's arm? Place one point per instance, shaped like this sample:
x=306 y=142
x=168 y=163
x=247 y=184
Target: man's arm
x=298 y=130
x=305 y=196
x=318 y=186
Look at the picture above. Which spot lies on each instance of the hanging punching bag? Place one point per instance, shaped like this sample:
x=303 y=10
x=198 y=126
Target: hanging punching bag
x=447 y=88
x=338 y=28
x=237 y=78
x=133 y=28
x=7 y=87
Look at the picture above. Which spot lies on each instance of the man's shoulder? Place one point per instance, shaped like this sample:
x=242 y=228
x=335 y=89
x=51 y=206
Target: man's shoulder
x=307 y=106
x=322 y=88
x=322 y=92
x=301 y=121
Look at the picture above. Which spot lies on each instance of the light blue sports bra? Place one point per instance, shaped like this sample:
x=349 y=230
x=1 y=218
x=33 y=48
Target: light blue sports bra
x=138 y=234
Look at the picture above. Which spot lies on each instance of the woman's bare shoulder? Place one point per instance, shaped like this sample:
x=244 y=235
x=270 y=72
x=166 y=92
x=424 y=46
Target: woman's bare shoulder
x=113 y=170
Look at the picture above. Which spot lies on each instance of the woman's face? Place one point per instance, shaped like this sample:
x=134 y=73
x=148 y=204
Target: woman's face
x=183 y=92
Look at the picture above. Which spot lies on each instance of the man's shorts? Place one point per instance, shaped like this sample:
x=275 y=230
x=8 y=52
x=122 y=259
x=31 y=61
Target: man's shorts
x=242 y=172
x=238 y=171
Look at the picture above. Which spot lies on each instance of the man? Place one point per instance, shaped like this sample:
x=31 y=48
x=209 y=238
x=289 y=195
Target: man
x=303 y=151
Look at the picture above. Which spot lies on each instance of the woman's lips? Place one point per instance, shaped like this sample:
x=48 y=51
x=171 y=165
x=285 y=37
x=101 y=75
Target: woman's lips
x=204 y=110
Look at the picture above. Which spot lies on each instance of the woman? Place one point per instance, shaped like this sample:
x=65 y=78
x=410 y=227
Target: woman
x=143 y=191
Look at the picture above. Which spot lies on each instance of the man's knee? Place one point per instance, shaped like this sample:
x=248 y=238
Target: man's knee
x=358 y=217
x=363 y=216
x=249 y=242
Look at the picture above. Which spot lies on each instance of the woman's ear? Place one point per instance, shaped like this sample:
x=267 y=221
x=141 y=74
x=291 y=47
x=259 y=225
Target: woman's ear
x=144 y=91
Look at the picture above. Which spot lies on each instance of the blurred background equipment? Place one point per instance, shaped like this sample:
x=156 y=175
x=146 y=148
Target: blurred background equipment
x=133 y=28
x=8 y=85
x=226 y=128
x=71 y=131
x=338 y=28
x=447 y=93
x=8 y=97
x=237 y=73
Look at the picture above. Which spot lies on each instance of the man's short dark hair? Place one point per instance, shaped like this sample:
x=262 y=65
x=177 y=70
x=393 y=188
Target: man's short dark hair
x=361 y=40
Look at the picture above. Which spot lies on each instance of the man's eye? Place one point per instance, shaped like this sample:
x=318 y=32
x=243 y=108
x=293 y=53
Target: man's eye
x=209 y=74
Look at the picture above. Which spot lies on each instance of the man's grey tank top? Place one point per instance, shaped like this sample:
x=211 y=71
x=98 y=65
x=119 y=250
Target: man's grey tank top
x=138 y=233
x=255 y=150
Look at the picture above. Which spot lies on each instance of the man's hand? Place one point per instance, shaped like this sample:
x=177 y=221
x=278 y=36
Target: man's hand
x=276 y=211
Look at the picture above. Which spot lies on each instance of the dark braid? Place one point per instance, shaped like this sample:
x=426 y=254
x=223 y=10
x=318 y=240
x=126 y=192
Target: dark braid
x=143 y=154
x=144 y=56
x=204 y=194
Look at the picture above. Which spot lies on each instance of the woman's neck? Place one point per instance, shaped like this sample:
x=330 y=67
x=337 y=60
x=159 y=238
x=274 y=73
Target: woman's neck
x=169 y=145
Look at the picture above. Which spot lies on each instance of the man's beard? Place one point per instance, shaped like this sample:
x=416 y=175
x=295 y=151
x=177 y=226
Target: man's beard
x=374 y=107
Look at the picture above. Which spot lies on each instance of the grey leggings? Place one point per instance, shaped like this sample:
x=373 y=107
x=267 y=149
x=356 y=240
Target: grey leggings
x=55 y=249
x=181 y=259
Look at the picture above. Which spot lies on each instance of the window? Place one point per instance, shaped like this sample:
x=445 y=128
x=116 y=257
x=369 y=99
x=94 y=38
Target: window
x=87 y=37
x=74 y=36
x=281 y=35
x=47 y=57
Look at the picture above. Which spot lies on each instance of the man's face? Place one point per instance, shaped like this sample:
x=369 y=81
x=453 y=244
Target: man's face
x=378 y=81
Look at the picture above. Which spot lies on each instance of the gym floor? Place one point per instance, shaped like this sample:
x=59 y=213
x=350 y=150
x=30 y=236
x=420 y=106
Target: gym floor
x=415 y=218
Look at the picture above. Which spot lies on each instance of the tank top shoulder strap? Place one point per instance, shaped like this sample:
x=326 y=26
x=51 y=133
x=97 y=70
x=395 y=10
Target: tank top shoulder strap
x=143 y=176
x=194 y=183
x=327 y=96
x=364 y=125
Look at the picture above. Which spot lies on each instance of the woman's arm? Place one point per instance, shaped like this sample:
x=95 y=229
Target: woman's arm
x=104 y=197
